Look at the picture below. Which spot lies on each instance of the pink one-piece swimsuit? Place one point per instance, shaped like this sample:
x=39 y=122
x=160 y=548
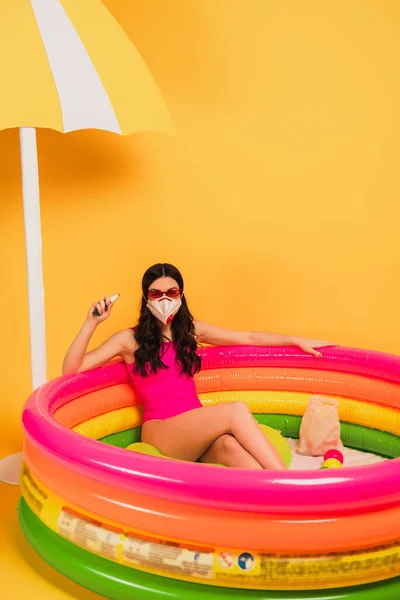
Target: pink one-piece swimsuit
x=167 y=393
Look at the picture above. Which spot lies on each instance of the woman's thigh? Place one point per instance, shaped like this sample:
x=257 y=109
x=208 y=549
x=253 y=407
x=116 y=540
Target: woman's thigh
x=189 y=435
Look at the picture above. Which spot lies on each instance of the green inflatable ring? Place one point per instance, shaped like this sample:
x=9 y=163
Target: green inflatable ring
x=117 y=582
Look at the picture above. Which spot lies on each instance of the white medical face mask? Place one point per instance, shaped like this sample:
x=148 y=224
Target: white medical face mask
x=164 y=308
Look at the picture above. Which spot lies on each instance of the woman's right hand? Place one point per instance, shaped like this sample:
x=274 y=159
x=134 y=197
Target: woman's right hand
x=101 y=307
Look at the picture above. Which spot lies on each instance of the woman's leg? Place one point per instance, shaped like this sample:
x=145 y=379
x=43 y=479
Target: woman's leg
x=189 y=435
x=227 y=451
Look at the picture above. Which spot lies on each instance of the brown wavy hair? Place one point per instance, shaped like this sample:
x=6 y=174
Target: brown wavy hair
x=148 y=356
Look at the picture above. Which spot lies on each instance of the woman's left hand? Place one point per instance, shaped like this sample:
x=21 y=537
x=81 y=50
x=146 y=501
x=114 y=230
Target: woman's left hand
x=309 y=346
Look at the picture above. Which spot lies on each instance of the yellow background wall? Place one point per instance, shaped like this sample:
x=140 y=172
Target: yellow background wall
x=278 y=199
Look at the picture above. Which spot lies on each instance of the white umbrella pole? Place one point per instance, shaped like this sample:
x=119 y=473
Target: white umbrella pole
x=33 y=240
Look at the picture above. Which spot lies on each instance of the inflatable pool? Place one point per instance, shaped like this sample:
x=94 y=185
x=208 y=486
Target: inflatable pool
x=128 y=525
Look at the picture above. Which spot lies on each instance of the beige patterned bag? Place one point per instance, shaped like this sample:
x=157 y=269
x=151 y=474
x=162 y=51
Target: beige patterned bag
x=320 y=427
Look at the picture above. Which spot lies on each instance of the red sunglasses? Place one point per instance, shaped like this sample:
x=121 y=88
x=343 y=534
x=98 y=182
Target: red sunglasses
x=172 y=293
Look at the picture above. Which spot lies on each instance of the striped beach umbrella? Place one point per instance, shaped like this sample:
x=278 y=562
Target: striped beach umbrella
x=66 y=65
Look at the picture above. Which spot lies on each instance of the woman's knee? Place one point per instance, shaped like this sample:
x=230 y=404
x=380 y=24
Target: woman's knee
x=238 y=412
x=225 y=444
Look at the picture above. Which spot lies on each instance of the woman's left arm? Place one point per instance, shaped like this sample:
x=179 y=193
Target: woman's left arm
x=209 y=334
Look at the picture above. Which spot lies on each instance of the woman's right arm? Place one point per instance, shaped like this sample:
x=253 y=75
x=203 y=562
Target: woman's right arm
x=120 y=344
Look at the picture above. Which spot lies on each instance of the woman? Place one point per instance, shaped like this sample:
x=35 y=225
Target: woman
x=161 y=356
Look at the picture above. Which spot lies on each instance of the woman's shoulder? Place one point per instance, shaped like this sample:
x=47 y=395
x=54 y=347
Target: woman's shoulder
x=127 y=339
